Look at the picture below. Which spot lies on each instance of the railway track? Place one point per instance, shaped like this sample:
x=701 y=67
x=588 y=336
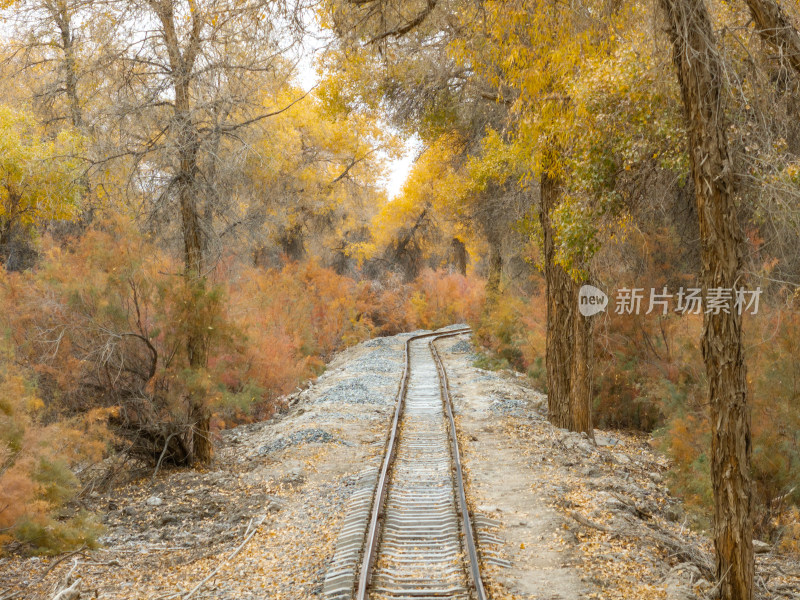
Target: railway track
x=412 y=538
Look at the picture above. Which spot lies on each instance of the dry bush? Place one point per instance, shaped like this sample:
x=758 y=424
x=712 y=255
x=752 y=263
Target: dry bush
x=434 y=299
x=440 y=298
x=292 y=320
x=513 y=330
x=787 y=524
x=37 y=460
x=773 y=345
x=102 y=323
x=383 y=305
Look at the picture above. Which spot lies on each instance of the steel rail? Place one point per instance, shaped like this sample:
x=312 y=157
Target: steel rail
x=376 y=513
x=466 y=523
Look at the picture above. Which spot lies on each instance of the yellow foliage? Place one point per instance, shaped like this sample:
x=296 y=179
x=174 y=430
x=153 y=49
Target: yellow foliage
x=584 y=104
x=317 y=170
x=39 y=177
x=438 y=192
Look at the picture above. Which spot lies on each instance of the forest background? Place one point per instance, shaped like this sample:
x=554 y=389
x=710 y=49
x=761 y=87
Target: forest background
x=186 y=234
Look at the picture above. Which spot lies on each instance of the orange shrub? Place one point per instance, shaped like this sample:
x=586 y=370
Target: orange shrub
x=772 y=346
x=787 y=524
x=103 y=322
x=772 y=343
x=647 y=367
x=292 y=319
x=36 y=462
x=439 y=298
x=383 y=306
x=514 y=330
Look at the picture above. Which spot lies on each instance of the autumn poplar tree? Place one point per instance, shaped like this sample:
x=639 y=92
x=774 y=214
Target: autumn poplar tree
x=60 y=54
x=182 y=58
x=400 y=57
x=314 y=197
x=428 y=222
x=700 y=75
x=40 y=179
x=530 y=53
x=517 y=58
x=48 y=33
x=190 y=90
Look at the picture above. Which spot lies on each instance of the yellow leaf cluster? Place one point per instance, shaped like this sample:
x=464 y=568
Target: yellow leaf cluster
x=39 y=177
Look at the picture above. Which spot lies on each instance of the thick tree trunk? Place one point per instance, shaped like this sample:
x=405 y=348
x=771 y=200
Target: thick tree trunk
x=582 y=371
x=700 y=78
x=459 y=255
x=202 y=448
x=569 y=334
x=8 y=220
x=195 y=279
x=406 y=252
x=63 y=18
x=186 y=180
x=560 y=314
x=5 y=240
x=8 y=223
x=292 y=242
x=61 y=13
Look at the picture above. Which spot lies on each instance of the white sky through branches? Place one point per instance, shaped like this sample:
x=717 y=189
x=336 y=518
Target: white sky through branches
x=398 y=169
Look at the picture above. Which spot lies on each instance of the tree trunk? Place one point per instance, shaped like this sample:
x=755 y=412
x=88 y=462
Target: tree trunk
x=459 y=255
x=560 y=314
x=495 y=275
x=700 y=77
x=292 y=242
x=187 y=184
x=775 y=28
x=569 y=334
x=5 y=240
x=63 y=18
x=582 y=371
x=8 y=223
x=406 y=251
x=61 y=12
x=195 y=277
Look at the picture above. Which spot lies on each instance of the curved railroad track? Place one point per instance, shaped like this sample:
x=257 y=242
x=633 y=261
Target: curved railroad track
x=417 y=542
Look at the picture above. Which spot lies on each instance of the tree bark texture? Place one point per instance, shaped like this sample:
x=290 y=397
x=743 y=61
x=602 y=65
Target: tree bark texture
x=560 y=314
x=581 y=371
x=700 y=77
x=459 y=257
x=63 y=18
